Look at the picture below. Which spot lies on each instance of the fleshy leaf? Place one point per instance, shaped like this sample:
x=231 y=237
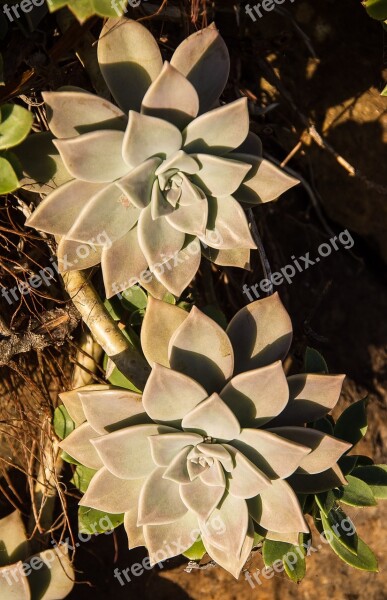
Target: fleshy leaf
x=326 y=450
x=158 y=240
x=245 y=480
x=147 y=136
x=264 y=182
x=257 y=396
x=78 y=445
x=260 y=333
x=112 y=494
x=171 y=97
x=49 y=171
x=160 y=538
x=60 y=209
x=203 y=58
x=274 y=455
x=218 y=131
x=213 y=418
x=71 y=113
x=95 y=156
x=160 y=322
x=219 y=177
x=126 y=453
x=160 y=500
x=169 y=395
x=312 y=396
x=123 y=263
x=112 y=409
x=128 y=52
x=201 y=349
x=277 y=509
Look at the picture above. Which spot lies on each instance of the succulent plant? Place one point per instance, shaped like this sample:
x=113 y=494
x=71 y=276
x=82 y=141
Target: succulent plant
x=15 y=124
x=163 y=174
x=48 y=575
x=217 y=433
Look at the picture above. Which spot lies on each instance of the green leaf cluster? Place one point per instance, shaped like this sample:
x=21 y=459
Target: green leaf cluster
x=15 y=124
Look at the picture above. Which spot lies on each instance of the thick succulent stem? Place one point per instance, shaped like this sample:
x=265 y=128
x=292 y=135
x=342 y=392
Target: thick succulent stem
x=104 y=329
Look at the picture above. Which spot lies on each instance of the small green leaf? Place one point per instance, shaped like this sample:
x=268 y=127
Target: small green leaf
x=351 y=426
x=377 y=9
x=94 y=521
x=293 y=558
x=364 y=559
x=8 y=179
x=63 y=423
x=15 y=125
x=82 y=477
x=56 y=4
x=314 y=362
x=384 y=92
x=107 y=8
x=169 y=298
x=357 y=493
x=196 y=551
x=134 y=298
x=343 y=529
x=375 y=476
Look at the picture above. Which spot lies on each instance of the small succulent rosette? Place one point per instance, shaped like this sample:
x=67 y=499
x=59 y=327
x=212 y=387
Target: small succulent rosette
x=217 y=436
x=48 y=575
x=151 y=184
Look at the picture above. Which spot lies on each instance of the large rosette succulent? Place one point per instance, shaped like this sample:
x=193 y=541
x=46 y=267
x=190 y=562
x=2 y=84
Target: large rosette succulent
x=218 y=431
x=160 y=176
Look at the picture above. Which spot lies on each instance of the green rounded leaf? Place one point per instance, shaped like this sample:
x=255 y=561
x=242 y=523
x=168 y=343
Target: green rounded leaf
x=375 y=476
x=295 y=569
x=343 y=529
x=94 y=521
x=351 y=426
x=377 y=9
x=134 y=298
x=14 y=126
x=82 y=477
x=364 y=559
x=8 y=179
x=197 y=550
x=357 y=493
x=63 y=423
